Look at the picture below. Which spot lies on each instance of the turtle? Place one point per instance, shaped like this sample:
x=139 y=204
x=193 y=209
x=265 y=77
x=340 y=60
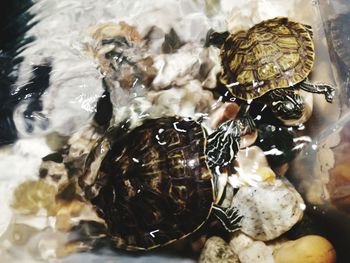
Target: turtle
x=159 y=182
x=271 y=60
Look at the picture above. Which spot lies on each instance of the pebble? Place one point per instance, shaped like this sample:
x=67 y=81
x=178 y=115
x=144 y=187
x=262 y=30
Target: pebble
x=269 y=210
x=217 y=250
x=252 y=168
x=249 y=250
x=307 y=249
x=32 y=196
x=20 y=234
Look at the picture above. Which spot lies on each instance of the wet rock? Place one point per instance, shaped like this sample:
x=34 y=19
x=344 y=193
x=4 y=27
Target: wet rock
x=339 y=186
x=217 y=250
x=252 y=168
x=250 y=251
x=171 y=42
x=333 y=165
x=212 y=7
x=6 y=211
x=191 y=62
x=307 y=249
x=67 y=213
x=329 y=180
x=32 y=196
x=55 y=140
x=119 y=52
x=183 y=101
x=20 y=234
x=268 y=210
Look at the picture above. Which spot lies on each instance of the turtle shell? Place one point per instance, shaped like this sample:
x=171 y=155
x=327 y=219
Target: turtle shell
x=275 y=53
x=151 y=185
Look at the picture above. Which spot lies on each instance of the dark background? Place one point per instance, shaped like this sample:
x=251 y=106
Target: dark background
x=15 y=21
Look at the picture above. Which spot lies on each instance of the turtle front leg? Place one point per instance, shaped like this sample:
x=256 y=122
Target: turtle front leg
x=325 y=89
x=229 y=217
x=223 y=145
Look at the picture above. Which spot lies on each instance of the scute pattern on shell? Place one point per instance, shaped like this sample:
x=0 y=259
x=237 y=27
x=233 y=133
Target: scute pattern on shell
x=275 y=53
x=154 y=183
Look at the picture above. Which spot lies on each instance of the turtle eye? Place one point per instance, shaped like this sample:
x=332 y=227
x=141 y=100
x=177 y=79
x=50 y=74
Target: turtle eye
x=288 y=106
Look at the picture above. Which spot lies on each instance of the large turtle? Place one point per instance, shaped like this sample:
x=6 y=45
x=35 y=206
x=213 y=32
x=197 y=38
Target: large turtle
x=274 y=59
x=160 y=181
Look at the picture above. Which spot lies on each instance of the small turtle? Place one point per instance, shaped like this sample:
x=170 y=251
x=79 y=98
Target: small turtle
x=159 y=182
x=273 y=58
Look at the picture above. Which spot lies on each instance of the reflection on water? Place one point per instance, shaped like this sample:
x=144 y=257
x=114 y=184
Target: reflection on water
x=62 y=56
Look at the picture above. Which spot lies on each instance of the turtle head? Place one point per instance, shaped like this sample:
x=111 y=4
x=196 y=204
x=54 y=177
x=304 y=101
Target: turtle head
x=286 y=104
x=215 y=38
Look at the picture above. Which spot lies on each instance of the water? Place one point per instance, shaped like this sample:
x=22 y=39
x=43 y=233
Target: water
x=51 y=81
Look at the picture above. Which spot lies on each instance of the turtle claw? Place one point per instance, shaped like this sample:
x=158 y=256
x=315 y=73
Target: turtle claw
x=327 y=90
x=330 y=93
x=229 y=217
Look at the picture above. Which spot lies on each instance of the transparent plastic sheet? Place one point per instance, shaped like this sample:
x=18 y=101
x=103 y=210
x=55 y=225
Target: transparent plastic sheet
x=335 y=17
x=326 y=159
x=70 y=100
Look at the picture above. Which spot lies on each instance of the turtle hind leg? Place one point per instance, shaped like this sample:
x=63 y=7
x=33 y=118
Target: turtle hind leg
x=229 y=217
x=325 y=89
